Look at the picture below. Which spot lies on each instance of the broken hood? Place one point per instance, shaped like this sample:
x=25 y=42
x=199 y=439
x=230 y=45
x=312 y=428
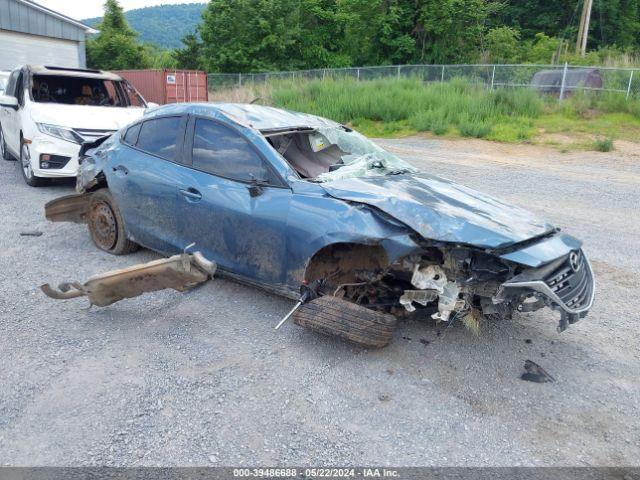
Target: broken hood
x=439 y=209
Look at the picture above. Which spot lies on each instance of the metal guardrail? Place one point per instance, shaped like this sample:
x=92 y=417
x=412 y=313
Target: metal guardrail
x=625 y=81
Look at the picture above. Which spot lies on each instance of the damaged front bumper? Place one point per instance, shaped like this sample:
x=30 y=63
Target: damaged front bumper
x=470 y=284
x=566 y=285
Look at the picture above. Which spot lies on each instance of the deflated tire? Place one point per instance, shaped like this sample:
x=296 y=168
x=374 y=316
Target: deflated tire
x=354 y=323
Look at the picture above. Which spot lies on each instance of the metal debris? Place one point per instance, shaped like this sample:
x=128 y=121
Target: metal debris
x=423 y=297
x=535 y=373
x=429 y=277
x=180 y=272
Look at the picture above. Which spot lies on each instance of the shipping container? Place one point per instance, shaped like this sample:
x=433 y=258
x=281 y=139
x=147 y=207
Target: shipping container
x=168 y=86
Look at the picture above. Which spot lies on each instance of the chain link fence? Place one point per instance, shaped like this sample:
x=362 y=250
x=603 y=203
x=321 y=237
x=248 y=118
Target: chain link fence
x=559 y=80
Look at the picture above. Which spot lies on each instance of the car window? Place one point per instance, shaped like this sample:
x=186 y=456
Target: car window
x=131 y=135
x=221 y=151
x=11 y=84
x=160 y=136
x=19 y=89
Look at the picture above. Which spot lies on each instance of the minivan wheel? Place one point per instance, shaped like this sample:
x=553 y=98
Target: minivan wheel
x=27 y=171
x=3 y=147
x=106 y=225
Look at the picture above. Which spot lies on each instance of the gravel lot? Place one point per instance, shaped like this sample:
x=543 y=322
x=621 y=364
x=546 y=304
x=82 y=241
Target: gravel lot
x=203 y=379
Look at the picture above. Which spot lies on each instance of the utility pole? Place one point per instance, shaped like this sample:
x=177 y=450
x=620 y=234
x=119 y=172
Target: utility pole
x=583 y=30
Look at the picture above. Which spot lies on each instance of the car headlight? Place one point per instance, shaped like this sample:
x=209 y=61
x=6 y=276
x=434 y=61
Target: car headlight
x=60 y=132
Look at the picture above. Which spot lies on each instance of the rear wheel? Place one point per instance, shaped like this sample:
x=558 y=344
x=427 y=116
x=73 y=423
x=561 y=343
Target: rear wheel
x=4 y=152
x=106 y=225
x=26 y=168
x=354 y=323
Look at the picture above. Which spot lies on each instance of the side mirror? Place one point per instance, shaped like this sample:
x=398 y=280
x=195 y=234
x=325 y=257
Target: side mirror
x=9 y=102
x=255 y=187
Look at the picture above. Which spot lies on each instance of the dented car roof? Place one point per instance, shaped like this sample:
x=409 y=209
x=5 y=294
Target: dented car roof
x=260 y=117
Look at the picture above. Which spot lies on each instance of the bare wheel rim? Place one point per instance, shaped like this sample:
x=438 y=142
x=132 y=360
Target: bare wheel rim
x=103 y=225
x=26 y=162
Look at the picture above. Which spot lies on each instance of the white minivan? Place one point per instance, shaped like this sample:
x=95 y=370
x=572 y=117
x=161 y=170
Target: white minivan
x=46 y=113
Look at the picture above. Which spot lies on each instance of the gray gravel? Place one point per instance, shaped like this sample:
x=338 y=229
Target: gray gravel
x=201 y=378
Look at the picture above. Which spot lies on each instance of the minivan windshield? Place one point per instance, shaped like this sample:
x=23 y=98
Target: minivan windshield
x=95 y=92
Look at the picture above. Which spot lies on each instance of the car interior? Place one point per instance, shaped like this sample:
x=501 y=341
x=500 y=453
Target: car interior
x=308 y=152
x=70 y=90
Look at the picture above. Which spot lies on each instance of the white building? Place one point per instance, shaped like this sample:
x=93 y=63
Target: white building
x=33 y=34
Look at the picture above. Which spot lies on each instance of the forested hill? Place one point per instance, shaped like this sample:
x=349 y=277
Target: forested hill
x=163 y=25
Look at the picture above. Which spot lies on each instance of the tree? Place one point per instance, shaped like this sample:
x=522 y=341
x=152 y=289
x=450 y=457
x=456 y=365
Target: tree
x=116 y=46
x=450 y=31
x=503 y=45
x=189 y=57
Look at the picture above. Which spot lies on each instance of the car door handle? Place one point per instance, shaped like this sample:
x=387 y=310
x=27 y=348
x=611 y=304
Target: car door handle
x=191 y=194
x=120 y=169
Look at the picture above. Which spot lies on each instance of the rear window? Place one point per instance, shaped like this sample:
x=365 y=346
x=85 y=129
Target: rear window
x=83 y=91
x=131 y=135
x=160 y=137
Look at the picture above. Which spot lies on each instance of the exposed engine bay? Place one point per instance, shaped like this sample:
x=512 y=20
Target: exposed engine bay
x=462 y=284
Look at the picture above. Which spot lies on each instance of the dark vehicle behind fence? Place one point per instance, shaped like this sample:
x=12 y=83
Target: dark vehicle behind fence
x=550 y=81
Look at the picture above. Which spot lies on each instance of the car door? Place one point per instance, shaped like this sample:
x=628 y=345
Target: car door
x=144 y=172
x=233 y=204
x=10 y=117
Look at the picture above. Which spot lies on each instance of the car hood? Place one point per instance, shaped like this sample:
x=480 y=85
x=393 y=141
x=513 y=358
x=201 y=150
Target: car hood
x=83 y=116
x=442 y=210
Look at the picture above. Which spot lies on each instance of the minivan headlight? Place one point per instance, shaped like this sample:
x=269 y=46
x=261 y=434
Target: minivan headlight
x=60 y=132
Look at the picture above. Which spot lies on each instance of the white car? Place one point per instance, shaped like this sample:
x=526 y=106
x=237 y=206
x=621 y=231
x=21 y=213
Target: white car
x=46 y=113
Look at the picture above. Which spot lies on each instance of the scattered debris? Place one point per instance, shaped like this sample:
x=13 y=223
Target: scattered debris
x=535 y=373
x=390 y=371
x=408 y=339
x=383 y=397
x=180 y=272
x=423 y=297
x=31 y=233
x=424 y=341
x=527 y=340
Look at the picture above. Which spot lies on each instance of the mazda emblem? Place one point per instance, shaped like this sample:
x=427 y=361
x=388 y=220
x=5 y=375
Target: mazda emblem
x=574 y=261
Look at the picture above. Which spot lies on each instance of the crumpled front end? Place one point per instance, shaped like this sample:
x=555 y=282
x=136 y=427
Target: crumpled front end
x=460 y=283
x=566 y=285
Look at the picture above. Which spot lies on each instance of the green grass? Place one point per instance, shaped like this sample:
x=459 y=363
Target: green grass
x=603 y=144
x=400 y=107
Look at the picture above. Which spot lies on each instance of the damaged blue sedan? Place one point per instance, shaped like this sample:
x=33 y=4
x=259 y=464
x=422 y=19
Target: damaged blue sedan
x=293 y=203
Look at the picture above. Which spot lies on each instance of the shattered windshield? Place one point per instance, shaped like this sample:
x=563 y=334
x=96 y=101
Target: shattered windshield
x=333 y=153
x=360 y=156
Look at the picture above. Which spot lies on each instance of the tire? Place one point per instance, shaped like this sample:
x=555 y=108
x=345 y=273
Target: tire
x=26 y=168
x=4 y=152
x=341 y=318
x=106 y=226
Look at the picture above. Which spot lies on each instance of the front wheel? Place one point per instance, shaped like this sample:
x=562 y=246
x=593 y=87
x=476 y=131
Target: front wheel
x=26 y=168
x=349 y=321
x=106 y=225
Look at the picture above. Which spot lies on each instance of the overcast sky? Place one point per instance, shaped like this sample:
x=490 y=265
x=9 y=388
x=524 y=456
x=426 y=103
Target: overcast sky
x=79 y=9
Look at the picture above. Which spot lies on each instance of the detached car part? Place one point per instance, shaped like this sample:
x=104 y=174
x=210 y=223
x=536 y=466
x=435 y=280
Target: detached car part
x=179 y=272
x=354 y=323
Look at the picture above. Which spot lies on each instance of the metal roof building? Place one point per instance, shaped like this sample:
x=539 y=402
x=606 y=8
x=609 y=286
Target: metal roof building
x=33 y=34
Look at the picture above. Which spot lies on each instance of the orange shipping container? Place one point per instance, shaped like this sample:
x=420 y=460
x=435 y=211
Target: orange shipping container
x=168 y=86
